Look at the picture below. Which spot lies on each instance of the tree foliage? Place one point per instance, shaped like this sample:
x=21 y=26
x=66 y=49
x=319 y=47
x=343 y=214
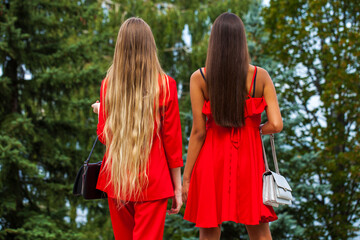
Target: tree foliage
x=316 y=44
x=47 y=81
x=54 y=54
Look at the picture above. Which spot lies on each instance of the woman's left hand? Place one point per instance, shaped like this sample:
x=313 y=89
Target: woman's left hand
x=176 y=203
x=96 y=106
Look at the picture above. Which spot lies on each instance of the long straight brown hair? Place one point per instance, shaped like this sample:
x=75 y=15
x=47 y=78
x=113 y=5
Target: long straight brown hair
x=227 y=65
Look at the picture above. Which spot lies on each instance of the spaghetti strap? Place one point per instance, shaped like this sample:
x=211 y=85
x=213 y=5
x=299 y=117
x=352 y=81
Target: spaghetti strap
x=202 y=74
x=253 y=83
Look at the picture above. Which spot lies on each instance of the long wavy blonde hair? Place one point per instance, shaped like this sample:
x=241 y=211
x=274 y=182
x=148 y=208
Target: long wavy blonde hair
x=132 y=108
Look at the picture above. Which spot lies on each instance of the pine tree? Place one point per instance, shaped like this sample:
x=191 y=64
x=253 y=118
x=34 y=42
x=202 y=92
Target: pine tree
x=46 y=81
x=53 y=57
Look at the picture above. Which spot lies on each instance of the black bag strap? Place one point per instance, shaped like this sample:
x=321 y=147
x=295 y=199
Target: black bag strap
x=92 y=149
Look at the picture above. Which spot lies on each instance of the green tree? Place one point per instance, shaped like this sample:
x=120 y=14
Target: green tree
x=316 y=44
x=53 y=57
x=46 y=128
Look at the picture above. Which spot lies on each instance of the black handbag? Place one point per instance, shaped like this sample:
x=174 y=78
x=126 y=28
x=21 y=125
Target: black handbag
x=86 y=179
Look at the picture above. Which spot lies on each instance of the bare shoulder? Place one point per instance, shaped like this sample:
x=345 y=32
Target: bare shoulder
x=197 y=82
x=197 y=79
x=263 y=76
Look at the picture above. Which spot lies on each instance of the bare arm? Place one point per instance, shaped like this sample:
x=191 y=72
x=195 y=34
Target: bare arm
x=274 y=123
x=176 y=179
x=198 y=130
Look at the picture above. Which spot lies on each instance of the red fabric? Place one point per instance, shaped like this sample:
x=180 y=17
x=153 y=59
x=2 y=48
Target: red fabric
x=141 y=220
x=166 y=151
x=226 y=182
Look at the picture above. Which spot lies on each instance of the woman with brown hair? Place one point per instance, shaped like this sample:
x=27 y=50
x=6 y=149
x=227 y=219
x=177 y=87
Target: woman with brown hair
x=222 y=180
x=139 y=123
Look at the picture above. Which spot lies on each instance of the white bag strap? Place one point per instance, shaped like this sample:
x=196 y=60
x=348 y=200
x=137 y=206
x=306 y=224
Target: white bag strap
x=272 y=142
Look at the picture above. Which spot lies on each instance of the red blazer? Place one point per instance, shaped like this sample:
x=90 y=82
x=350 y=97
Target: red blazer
x=167 y=155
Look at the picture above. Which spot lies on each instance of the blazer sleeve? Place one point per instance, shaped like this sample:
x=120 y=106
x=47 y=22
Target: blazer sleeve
x=171 y=129
x=101 y=116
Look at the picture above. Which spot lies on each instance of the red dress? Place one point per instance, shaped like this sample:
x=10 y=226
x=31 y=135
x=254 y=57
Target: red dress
x=166 y=151
x=226 y=182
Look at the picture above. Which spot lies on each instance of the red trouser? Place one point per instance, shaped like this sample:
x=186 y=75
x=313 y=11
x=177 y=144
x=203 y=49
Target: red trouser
x=138 y=220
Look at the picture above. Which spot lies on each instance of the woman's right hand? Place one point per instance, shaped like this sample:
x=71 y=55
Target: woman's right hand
x=185 y=190
x=176 y=203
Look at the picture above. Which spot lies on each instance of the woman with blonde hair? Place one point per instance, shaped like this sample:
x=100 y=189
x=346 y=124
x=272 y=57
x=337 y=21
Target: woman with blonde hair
x=222 y=179
x=140 y=125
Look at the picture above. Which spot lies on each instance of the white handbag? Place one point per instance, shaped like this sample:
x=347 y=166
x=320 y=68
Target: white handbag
x=276 y=190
